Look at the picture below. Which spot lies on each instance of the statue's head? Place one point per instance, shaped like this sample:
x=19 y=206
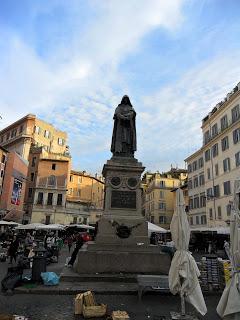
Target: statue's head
x=126 y=100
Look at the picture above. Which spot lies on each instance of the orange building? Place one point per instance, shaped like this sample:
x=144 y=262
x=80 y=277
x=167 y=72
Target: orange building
x=86 y=188
x=13 y=188
x=48 y=174
x=31 y=131
x=3 y=159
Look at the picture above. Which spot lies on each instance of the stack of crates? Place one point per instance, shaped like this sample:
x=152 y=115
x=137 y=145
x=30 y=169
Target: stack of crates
x=210 y=275
x=225 y=272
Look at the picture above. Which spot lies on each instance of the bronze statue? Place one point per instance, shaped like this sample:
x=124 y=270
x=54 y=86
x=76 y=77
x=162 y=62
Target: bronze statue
x=124 y=132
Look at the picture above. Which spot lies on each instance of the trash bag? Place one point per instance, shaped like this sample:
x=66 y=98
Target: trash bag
x=11 y=281
x=50 y=278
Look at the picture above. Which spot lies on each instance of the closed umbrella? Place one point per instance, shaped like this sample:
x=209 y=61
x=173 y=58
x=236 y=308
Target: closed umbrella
x=184 y=273
x=229 y=304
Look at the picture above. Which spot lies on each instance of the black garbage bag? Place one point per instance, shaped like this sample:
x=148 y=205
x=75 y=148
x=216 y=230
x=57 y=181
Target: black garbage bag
x=24 y=262
x=12 y=278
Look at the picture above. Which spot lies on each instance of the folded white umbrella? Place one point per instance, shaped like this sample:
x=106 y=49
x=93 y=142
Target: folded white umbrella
x=184 y=273
x=229 y=304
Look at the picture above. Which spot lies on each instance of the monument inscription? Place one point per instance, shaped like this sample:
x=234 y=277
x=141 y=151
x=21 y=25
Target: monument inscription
x=123 y=199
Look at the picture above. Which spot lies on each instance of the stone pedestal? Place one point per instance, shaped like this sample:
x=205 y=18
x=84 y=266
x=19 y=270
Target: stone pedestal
x=122 y=243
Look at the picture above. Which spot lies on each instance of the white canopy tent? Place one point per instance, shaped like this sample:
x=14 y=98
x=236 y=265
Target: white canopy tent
x=154 y=228
x=184 y=273
x=229 y=304
x=31 y=226
x=80 y=226
x=55 y=226
x=218 y=230
x=8 y=223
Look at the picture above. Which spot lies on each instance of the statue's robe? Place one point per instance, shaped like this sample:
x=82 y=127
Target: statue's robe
x=124 y=132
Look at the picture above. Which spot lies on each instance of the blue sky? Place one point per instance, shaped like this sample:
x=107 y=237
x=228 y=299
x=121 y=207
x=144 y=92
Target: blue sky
x=70 y=62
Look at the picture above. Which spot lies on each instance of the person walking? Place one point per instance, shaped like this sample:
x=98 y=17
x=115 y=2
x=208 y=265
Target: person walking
x=79 y=243
x=69 y=243
x=13 y=248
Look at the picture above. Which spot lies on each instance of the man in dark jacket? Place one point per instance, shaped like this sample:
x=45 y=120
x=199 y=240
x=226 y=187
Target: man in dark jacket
x=79 y=243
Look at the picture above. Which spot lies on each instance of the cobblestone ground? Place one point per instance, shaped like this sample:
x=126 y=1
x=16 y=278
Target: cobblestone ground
x=59 y=307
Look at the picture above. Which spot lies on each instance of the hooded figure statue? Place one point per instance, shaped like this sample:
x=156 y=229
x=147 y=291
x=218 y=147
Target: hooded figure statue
x=124 y=131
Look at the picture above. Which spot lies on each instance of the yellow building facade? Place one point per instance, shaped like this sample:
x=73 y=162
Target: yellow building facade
x=31 y=131
x=213 y=168
x=159 y=198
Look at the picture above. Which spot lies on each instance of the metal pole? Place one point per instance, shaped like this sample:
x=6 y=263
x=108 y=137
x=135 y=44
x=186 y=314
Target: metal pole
x=183 y=311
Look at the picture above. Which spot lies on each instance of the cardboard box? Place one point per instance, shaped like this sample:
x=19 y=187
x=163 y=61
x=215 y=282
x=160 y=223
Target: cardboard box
x=78 y=304
x=89 y=299
x=120 y=315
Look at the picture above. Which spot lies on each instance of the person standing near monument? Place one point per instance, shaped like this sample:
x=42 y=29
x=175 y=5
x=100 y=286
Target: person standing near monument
x=124 y=142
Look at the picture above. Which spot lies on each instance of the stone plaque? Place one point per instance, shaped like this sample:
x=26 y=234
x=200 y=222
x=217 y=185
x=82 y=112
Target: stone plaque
x=123 y=199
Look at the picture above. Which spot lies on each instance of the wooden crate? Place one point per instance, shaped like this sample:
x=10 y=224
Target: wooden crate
x=120 y=315
x=94 y=311
x=78 y=304
x=89 y=299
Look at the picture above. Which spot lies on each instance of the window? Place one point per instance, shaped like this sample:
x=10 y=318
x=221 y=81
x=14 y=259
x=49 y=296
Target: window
x=1 y=173
x=71 y=178
x=8 y=135
x=59 y=199
x=47 y=134
x=227 y=187
x=226 y=164
x=162 y=205
x=21 y=129
x=202 y=200
x=190 y=203
x=225 y=144
x=52 y=181
x=190 y=184
x=32 y=176
x=13 y=133
x=207 y=137
x=30 y=191
x=200 y=162
x=162 y=195
x=210 y=214
x=237 y=158
x=216 y=191
x=37 y=130
x=208 y=173
x=201 y=179
x=74 y=220
x=196 y=202
x=60 y=141
x=34 y=161
x=224 y=122
x=40 y=198
x=215 y=150
x=228 y=209
x=49 y=199
x=236 y=135
x=47 y=221
x=2 y=138
x=197 y=219
x=189 y=168
x=79 y=179
x=216 y=169
x=209 y=193
x=162 y=220
x=162 y=184
x=79 y=192
x=214 y=130
x=235 y=113
x=191 y=221
x=54 y=166
x=194 y=165
x=203 y=219
x=195 y=181
x=3 y=158
x=219 y=210
x=207 y=155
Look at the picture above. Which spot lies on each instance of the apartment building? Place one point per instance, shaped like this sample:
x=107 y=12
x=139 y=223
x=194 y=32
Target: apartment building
x=31 y=131
x=3 y=160
x=159 y=200
x=213 y=168
x=45 y=199
x=13 y=187
x=86 y=188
